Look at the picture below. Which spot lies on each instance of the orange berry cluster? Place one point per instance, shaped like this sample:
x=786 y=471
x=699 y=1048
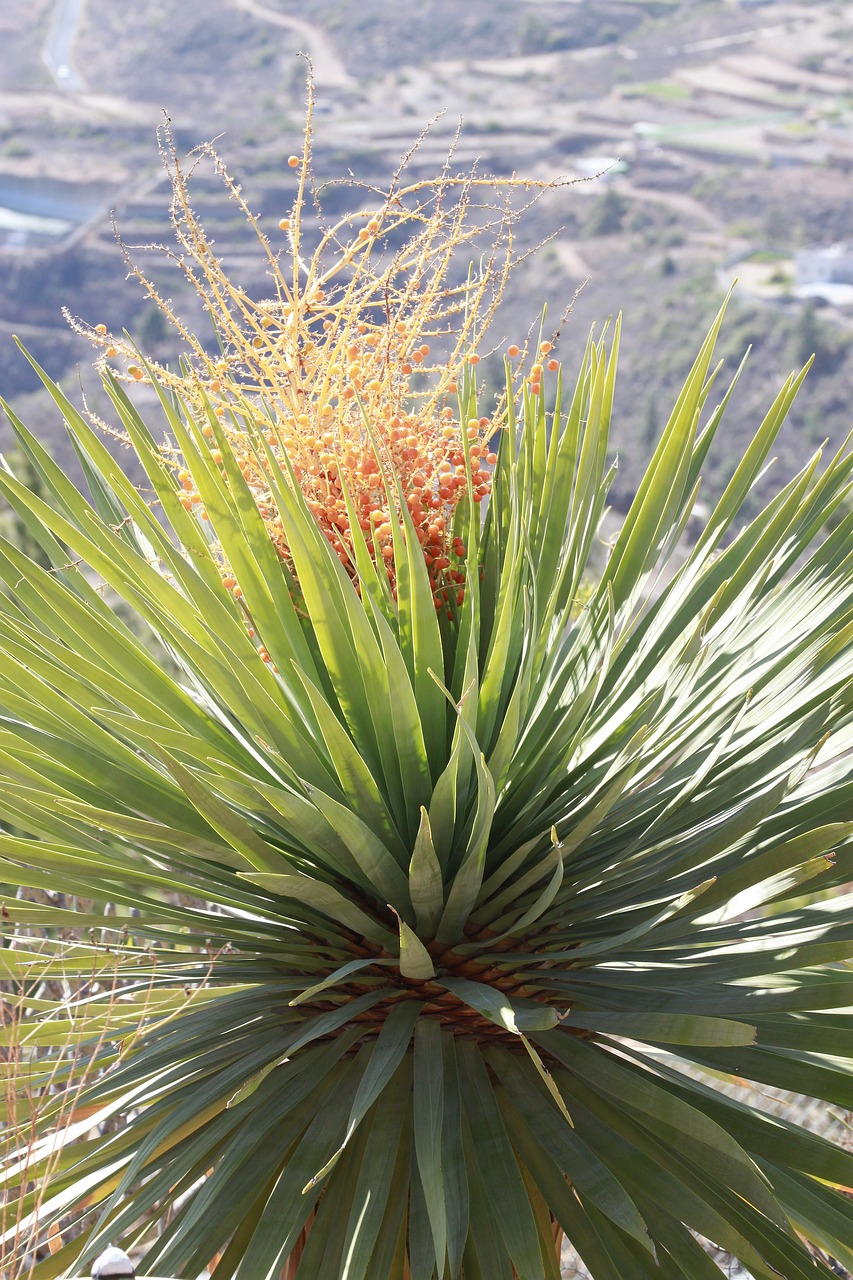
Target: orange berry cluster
x=357 y=434
x=329 y=382
x=534 y=378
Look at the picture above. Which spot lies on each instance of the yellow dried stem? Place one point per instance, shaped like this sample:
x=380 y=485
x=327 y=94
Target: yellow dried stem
x=343 y=341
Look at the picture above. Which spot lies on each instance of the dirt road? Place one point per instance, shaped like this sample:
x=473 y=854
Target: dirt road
x=59 y=45
x=329 y=71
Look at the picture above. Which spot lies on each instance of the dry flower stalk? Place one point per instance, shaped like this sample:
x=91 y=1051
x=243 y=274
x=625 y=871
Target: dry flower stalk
x=347 y=375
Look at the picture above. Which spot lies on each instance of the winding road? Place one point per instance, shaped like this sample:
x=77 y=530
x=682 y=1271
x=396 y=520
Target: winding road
x=57 y=54
x=329 y=70
x=59 y=46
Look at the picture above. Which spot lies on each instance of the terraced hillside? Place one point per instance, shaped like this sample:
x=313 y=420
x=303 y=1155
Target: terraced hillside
x=725 y=131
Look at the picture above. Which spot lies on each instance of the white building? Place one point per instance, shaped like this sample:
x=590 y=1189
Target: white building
x=825 y=272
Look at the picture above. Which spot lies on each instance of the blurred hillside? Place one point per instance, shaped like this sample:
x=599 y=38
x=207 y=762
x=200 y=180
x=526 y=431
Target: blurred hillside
x=724 y=127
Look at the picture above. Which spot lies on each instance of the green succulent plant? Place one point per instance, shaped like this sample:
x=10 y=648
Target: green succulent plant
x=439 y=927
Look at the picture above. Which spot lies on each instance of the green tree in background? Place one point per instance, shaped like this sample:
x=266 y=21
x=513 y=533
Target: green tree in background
x=607 y=215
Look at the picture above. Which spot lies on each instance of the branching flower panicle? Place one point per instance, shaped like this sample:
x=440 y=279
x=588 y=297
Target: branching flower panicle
x=350 y=372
